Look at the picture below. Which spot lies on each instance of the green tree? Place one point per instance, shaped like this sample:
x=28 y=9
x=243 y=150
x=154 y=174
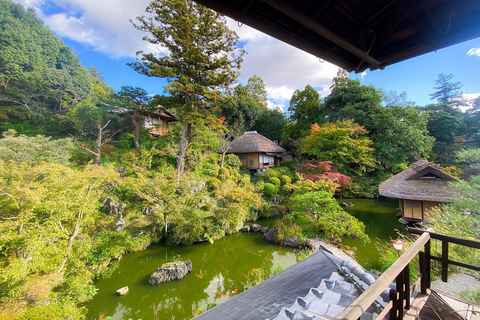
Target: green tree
x=395 y=99
x=199 y=60
x=343 y=143
x=448 y=92
x=270 y=124
x=256 y=89
x=134 y=99
x=400 y=135
x=305 y=109
x=240 y=113
x=33 y=150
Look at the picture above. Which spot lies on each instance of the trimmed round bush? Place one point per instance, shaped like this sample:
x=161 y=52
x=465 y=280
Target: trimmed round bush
x=269 y=189
x=272 y=173
x=285 y=179
x=275 y=181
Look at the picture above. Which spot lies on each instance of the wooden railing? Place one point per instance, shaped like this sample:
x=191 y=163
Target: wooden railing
x=399 y=271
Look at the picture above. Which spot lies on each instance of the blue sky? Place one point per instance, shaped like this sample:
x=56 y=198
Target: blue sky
x=101 y=35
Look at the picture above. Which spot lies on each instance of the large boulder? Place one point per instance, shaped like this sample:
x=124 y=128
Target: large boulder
x=171 y=271
x=113 y=208
x=271 y=236
x=291 y=241
x=245 y=229
x=255 y=227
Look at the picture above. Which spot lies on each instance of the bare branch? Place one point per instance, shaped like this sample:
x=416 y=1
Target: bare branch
x=8 y=218
x=63 y=230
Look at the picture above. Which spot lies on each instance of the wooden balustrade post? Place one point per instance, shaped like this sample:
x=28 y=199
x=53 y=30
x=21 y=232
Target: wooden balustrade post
x=406 y=281
x=444 y=261
x=423 y=272
x=400 y=287
x=394 y=312
x=428 y=265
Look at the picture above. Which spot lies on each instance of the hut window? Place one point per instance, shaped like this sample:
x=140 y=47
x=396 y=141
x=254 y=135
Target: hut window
x=429 y=176
x=263 y=158
x=251 y=163
x=242 y=157
x=157 y=122
x=412 y=204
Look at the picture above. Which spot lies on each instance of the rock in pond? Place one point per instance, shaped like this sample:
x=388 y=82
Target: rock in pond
x=264 y=230
x=255 y=228
x=291 y=241
x=271 y=236
x=122 y=291
x=245 y=229
x=346 y=204
x=171 y=271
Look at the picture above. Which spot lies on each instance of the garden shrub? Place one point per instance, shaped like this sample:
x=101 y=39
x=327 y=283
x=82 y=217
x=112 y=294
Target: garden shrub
x=272 y=173
x=275 y=181
x=285 y=179
x=269 y=189
x=213 y=184
x=232 y=161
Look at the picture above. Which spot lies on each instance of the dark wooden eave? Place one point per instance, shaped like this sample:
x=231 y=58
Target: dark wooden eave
x=359 y=34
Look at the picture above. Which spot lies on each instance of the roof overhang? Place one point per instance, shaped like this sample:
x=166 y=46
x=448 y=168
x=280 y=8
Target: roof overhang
x=357 y=34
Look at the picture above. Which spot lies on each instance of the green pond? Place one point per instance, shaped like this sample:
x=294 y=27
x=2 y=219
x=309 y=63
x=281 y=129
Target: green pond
x=220 y=270
x=379 y=217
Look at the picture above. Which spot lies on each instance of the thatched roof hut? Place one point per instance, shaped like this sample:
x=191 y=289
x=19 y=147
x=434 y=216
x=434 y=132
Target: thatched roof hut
x=256 y=151
x=422 y=186
x=251 y=141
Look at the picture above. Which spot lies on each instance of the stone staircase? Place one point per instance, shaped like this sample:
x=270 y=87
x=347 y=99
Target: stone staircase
x=333 y=295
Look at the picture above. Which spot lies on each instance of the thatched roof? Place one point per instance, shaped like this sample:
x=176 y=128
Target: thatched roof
x=157 y=112
x=421 y=181
x=251 y=141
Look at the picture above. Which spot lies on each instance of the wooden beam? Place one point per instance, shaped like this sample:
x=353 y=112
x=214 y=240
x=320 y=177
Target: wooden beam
x=363 y=302
x=322 y=31
x=265 y=26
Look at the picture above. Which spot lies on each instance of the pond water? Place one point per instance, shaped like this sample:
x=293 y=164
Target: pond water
x=219 y=272
x=379 y=217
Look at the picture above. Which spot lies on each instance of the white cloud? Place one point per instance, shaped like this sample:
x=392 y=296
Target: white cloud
x=103 y=25
x=470 y=97
x=284 y=68
x=474 y=52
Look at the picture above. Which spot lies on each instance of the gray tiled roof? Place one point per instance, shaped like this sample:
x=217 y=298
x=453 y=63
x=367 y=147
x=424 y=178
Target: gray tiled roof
x=265 y=300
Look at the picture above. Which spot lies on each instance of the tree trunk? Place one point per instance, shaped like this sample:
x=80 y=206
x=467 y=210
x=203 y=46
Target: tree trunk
x=136 y=130
x=96 y=158
x=182 y=150
x=71 y=239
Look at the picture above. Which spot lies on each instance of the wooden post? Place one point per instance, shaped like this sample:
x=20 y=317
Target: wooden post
x=406 y=281
x=395 y=305
x=400 y=284
x=428 y=265
x=444 y=261
x=423 y=272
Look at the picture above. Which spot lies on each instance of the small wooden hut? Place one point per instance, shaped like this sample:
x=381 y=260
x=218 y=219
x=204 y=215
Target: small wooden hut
x=155 y=121
x=256 y=151
x=419 y=188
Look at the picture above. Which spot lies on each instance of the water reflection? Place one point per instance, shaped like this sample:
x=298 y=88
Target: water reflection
x=220 y=272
